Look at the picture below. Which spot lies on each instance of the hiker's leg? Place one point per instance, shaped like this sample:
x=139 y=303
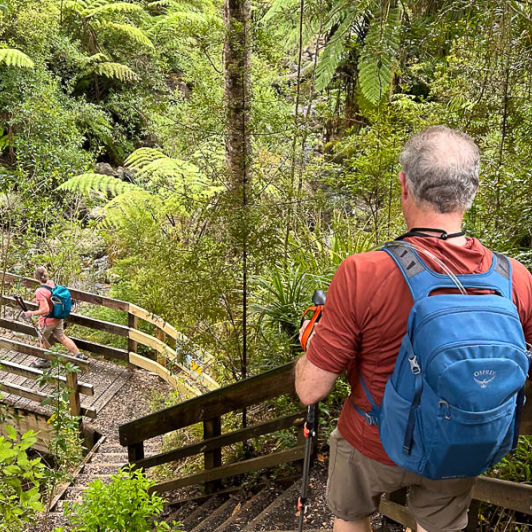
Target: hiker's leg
x=69 y=344
x=353 y=526
x=59 y=333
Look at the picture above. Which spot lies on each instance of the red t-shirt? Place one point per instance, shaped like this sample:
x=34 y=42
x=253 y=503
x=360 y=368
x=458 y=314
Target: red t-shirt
x=365 y=319
x=43 y=293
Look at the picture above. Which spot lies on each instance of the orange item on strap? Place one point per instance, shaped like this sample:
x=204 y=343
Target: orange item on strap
x=310 y=327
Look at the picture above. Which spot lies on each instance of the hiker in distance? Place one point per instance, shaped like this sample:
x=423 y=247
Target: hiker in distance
x=49 y=326
x=364 y=332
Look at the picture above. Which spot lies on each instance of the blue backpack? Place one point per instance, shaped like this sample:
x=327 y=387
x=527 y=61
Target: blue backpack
x=61 y=302
x=452 y=406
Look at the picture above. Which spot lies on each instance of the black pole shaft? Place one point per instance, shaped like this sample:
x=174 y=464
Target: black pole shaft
x=310 y=426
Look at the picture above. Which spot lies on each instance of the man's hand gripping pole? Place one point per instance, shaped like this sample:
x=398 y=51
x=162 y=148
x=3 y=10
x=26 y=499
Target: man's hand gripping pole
x=309 y=429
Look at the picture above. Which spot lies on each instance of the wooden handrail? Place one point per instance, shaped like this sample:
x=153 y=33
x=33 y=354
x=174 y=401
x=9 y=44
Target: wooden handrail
x=241 y=394
x=193 y=379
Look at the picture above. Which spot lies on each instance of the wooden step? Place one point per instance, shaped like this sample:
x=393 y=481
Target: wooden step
x=200 y=513
x=218 y=516
x=291 y=493
x=250 y=510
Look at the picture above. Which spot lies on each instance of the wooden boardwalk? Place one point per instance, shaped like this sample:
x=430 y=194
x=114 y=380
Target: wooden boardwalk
x=106 y=377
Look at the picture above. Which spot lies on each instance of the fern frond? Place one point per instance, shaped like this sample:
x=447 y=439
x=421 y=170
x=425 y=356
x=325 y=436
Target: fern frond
x=97 y=58
x=280 y=7
x=376 y=67
x=138 y=205
x=132 y=32
x=334 y=50
x=140 y=158
x=115 y=71
x=113 y=7
x=91 y=183
x=16 y=58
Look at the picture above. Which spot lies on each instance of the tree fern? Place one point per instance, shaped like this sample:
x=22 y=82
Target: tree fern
x=131 y=32
x=91 y=183
x=16 y=58
x=334 y=50
x=115 y=71
x=112 y=7
x=375 y=73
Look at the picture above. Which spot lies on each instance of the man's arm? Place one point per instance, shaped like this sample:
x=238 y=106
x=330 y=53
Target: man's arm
x=43 y=309
x=312 y=383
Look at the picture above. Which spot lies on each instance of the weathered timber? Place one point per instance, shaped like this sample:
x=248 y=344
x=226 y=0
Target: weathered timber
x=278 y=381
x=92 y=347
x=177 y=382
x=135 y=452
x=99 y=325
x=33 y=373
x=224 y=440
x=133 y=323
x=73 y=395
x=230 y=470
x=19 y=347
x=212 y=428
x=397 y=512
x=510 y=495
x=38 y=397
x=159 y=322
x=161 y=336
x=23 y=421
x=526 y=420
x=77 y=295
x=99 y=349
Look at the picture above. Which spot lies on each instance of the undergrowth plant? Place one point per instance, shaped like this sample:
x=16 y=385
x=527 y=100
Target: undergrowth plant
x=123 y=505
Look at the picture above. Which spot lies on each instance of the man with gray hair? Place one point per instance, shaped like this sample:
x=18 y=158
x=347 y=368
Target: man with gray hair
x=365 y=320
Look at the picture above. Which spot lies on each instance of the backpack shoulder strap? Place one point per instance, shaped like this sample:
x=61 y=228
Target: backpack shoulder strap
x=422 y=280
x=47 y=287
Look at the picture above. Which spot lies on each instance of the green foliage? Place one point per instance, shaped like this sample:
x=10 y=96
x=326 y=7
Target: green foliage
x=376 y=60
x=98 y=183
x=16 y=58
x=20 y=479
x=123 y=505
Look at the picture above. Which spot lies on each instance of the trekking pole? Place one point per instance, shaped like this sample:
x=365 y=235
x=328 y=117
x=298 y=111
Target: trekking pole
x=23 y=306
x=309 y=429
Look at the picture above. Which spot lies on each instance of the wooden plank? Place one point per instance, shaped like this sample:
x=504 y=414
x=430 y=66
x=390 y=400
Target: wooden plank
x=38 y=397
x=510 y=495
x=230 y=470
x=398 y=513
x=177 y=382
x=19 y=347
x=73 y=395
x=278 y=381
x=154 y=320
x=23 y=421
x=212 y=428
x=99 y=349
x=526 y=419
x=133 y=323
x=224 y=440
x=33 y=373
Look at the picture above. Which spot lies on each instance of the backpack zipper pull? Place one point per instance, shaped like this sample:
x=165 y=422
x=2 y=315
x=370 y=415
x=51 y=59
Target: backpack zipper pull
x=414 y=366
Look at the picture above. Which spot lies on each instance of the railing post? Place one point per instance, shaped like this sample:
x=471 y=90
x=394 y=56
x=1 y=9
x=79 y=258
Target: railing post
x=132 y=345
x=211 y=429
x=161 y=335
x=135 y=452
x=73 y=393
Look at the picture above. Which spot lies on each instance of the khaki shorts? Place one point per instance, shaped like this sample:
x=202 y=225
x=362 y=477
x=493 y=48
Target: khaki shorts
x=356 y=484
x=57 y=330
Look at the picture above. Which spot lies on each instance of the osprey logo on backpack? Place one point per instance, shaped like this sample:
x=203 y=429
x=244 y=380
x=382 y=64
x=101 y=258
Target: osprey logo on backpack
x=488 y=373
x=452 y=406
x=61 y=302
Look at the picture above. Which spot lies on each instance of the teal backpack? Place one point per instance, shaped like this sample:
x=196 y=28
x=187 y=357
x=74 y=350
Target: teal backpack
x=61 y=302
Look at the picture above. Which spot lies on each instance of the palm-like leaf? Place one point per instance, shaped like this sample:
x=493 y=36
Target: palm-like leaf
x=131 y=32
x=91 y=183
x=376 y=62
x=16 y=58
x=115 y=71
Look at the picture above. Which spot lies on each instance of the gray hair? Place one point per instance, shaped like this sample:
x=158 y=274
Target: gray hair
x=441 y=167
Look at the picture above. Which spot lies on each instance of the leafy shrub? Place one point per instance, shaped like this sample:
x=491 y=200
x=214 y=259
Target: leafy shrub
x=124 y=505
x=20 y=479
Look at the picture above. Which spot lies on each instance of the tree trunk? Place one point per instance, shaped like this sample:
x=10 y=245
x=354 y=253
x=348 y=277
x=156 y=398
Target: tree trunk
x=237 y=56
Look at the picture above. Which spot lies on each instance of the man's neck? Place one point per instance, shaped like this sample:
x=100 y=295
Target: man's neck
x=450 y=223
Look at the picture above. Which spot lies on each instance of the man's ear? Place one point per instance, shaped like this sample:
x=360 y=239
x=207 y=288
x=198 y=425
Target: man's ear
x=404 y=189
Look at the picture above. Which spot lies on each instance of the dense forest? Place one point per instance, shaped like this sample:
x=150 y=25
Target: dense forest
x=215 y=162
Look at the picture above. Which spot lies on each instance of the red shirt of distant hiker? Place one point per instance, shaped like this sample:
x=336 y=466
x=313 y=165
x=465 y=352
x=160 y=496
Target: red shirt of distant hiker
x=44 y=294
x=365 y=320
